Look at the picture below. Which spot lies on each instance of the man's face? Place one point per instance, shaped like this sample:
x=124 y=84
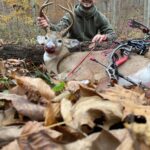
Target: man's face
x=87 y=3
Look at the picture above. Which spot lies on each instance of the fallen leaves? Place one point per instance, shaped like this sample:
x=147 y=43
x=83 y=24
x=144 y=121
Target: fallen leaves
x=96 y=141
x=73 y=115
x=142 y=131
x=24 y=107
x=89 y=109
x=122 y=95
x=36 y=89
x=34 y=136
x=10 y=66
x=9 y=134
x=36 y=86
x=7 y=117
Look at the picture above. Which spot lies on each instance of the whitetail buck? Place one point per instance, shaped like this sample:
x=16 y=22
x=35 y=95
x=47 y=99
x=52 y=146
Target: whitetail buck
x=56 y=59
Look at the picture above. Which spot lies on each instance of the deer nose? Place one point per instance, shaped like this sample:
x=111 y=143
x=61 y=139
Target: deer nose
x=50 y=47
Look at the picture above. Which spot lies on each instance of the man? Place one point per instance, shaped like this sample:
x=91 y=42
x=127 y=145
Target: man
x=89 y=23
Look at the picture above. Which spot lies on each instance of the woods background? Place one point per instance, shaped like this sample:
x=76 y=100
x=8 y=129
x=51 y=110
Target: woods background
x=18 y=17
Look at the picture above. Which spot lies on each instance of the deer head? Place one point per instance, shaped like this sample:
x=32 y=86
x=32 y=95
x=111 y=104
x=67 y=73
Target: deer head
x=53 y=41
x=55 y=44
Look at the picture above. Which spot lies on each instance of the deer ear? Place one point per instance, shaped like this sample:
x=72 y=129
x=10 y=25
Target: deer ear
x=71 y=43
x=66 y=42
x=41 y=39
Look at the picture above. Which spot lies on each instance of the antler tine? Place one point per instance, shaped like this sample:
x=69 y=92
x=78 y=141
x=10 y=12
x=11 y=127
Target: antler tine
x=69 y=4
x=45 y=4
x=41 y=13
x=72 y=16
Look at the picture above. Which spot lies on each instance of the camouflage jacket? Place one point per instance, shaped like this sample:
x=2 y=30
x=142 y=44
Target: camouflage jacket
x=87 y=24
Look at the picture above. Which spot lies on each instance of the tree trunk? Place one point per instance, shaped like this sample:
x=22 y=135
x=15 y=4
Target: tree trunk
x=146 y=12
x=114 y=12
x=29 y=53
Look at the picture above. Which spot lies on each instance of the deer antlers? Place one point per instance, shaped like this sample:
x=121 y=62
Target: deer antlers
x=45 y=4
x=70 y=11
x=41 y=13
x=65 y=31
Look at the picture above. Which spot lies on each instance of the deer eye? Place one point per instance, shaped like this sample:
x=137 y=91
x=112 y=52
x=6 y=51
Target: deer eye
x=59 y=41
x=46 y=38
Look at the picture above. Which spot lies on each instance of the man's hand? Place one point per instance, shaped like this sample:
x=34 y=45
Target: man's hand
x=42 y=22
x=99 y=38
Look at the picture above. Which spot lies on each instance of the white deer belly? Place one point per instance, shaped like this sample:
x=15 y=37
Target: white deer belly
x=142 y=76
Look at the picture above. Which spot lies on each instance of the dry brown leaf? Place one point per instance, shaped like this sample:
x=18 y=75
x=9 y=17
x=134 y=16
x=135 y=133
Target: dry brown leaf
x=24 y=107
x=125 y=138
x=141 y=131
x=120 y=134
x=132 y=101
x=12 y=97
x=12 y=146
x=106 y=141
x=127 y=144
x=35 y=136
x=68 y=134
x=35 y=89
x=138 y=89
x=17 y=90
x=35 y=127
x=137 y=110
x=39 y=141
x=140 y=145
x=88 y=109
x=7 y=117
x=86 y=91
x=73 y=86
x=35 y=85
x=66 y=107
x=147 y=95
x=51 y=115
x=65 y=94
x=56 y=108
x=15 y=66
x=8 y=134
x=98 y=141
x=28 y=109
x=120 y=94
x=31 y=127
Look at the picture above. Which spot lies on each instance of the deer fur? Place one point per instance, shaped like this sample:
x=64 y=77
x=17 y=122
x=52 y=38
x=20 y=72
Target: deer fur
x=92 y=70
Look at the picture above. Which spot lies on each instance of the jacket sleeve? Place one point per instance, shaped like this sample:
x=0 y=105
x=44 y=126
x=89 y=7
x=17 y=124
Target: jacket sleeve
x=106 y=28
x=63 y=23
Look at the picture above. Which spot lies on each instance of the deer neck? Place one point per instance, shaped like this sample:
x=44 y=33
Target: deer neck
x=52 y=60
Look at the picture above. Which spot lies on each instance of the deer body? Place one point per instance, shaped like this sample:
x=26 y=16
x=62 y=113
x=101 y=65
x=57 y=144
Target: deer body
x=136 y=68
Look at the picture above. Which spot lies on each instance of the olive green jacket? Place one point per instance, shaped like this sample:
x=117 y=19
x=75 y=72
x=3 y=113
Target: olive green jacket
x=87 y=24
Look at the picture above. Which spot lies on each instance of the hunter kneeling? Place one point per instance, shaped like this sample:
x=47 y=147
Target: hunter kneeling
x=89 y=25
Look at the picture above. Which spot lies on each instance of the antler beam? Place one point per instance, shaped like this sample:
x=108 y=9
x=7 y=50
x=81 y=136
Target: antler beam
x=45 y=4
x=41 y=13
x=65 y=31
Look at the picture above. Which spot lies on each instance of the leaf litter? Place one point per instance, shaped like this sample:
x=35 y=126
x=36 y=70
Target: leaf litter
x=41 y=113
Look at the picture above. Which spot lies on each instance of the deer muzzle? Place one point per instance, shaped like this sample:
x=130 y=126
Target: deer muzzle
x=50 y=47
